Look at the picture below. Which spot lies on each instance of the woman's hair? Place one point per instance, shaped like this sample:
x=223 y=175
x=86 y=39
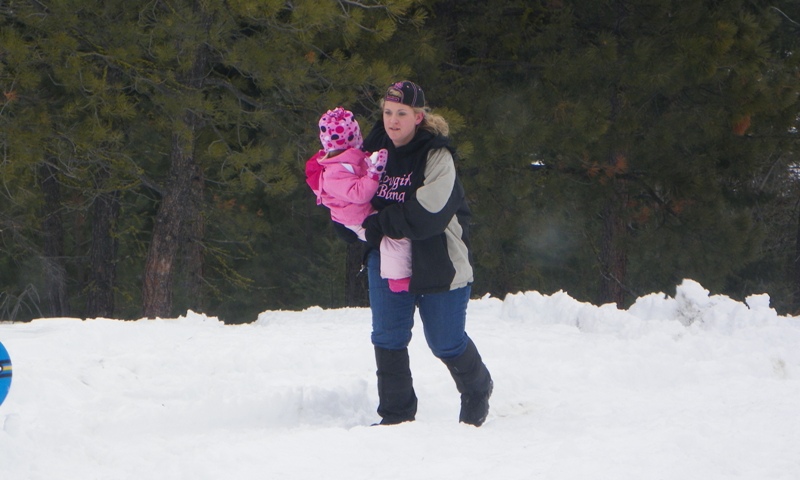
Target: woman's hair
x=432 y=122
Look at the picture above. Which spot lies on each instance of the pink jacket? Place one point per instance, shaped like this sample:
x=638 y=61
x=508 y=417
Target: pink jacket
x=345 y=187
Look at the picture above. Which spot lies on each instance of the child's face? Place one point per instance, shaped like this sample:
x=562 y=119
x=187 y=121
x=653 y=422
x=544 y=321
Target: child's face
x=400 y=122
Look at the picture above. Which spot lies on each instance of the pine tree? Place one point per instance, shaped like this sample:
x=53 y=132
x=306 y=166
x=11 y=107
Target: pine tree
x=190 y=120
x=646 y=118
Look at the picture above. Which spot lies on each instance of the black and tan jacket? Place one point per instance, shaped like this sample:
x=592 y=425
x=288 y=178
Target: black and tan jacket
x=420 y=197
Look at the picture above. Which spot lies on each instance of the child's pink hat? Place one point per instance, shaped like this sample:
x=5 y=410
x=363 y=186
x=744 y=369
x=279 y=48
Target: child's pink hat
x=338 y=130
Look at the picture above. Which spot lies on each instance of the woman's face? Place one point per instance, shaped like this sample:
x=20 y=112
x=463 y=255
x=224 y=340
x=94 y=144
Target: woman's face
x=400 y=122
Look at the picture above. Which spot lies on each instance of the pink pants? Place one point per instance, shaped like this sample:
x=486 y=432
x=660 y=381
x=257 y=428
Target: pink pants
x=395 y=255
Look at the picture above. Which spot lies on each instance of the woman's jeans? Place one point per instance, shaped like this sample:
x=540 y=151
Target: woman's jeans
x=443 y=315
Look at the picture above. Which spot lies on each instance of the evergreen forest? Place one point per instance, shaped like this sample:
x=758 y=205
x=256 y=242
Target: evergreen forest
x=152 y=152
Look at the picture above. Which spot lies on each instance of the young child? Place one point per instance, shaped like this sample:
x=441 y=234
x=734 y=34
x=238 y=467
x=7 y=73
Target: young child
x=345 y=178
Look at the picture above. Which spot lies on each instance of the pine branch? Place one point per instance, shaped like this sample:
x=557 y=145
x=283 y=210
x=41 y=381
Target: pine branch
x=585 y=173
x=786 y=16
x=241 y=96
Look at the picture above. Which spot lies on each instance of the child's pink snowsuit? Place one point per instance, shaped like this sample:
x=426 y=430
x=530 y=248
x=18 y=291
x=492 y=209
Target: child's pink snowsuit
x=346 y=188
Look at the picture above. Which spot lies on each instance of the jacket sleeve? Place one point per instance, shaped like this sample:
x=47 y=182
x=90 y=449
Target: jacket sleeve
x=344 y=233
x=431 y=207
x=348 y=186
x=313 y=171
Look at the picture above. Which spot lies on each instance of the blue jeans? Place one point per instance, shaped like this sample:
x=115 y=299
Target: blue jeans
x=443 y=315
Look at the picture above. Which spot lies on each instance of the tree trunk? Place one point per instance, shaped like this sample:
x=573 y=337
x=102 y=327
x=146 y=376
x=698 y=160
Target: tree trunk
x=103 y=253
x=613 y=256
x=796 y=296
x=55 y=275
x=356 y=293
x=172 y=213
x=613 y=248
x=176 y=209
x=193 y=245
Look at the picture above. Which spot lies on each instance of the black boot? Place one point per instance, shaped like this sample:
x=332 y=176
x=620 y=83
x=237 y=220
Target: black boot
x=474 y=383
x=398 y=402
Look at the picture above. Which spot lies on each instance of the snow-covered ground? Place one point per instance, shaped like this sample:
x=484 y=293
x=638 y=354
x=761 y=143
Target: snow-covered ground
x=691 y=387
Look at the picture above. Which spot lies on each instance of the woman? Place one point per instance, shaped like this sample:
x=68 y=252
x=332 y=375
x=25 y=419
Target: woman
x=421 y=198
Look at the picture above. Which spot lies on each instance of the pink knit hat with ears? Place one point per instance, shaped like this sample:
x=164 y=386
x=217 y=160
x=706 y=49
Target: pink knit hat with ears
x=338 y=130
